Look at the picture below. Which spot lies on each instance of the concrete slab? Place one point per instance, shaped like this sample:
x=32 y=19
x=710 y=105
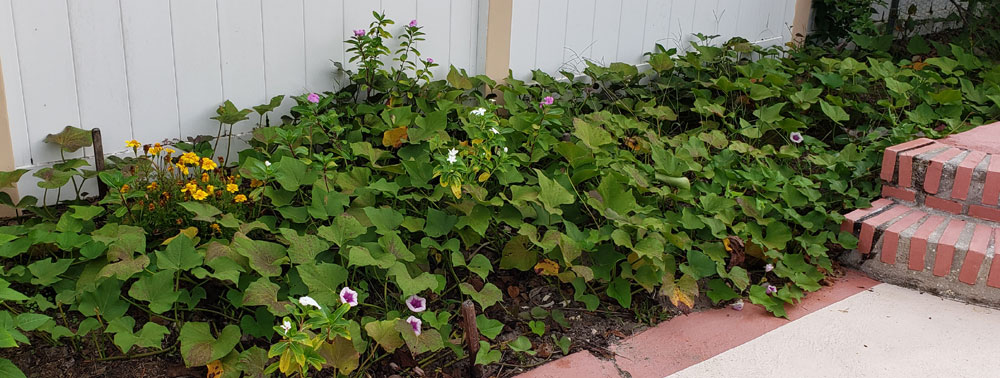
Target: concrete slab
x=888 y=331
x=983 y=138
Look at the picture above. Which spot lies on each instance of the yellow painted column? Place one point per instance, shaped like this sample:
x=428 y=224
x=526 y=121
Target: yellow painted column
x=6 y=146
x=498 y=39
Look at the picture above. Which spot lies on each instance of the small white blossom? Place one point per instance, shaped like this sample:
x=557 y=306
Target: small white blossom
x=452 y=156
x=286 y=325
x=478 y=112
x=505 y=149
x=308 y=301
x=494 y=130
x=267 y=163
x=768 y=267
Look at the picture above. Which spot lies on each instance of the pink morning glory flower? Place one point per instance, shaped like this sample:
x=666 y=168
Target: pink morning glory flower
x=414 y=323
x=548 y=100
x=349 y=296
x=359 y=32
x=770 y=289
x=313 y=98
x=796 y=137
x=413 y=23
x=768 y=267
x=416 y=303
x=430 y=60
x=738 y=306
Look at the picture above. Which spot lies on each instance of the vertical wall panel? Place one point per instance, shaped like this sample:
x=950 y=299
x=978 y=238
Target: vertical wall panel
x=149 y=63
x=435 y=17
x=12 y=83
x=607 y=23
x=551 y=39
x=284 y=52
x=524 y=37
x=462 y=35
x=579 y=34
x=357 y=15
x=704 y=20
x=728 y=14
x=631 y=34
x=659 y=17
x=241 y=43
x=198 y=65
x=324 y=39
x=48 y=79
x=99 y=57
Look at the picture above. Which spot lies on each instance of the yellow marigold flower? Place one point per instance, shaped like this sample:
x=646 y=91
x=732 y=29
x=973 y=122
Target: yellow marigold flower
x=189 y=158
x=210 y=189
x=125 y=188
x=190 y=188
x=204 y=177
x=215 y=228
x=152 y=186
x=232 y=188
x=199 y=194
x=133 y=144
x=240 y=198
x=156 y=149
x=207 y=164
x=169 y=151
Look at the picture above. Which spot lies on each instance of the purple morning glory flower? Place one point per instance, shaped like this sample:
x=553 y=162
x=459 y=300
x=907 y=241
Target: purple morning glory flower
x=414 y=323
x=770 y=289
x=313 y=98
x=349 y=296
x=413 y=23
x=796 y=137
x=768 y=267
x=416 y=303
x=738 y=306
x=548 y=100
x=359 y=32
x=430 y=60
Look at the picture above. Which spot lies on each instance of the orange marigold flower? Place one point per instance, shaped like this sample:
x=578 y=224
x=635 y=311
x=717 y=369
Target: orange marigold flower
x=156 y=149
x=152 y=186
x=204 y=177
x=125 y=188
x=189 y=158
x=133 y=144
x=210 y=189
x=240 y=198
x=199 y=195
x=208 y=165
x=183 y=169
x=190 y=188
x=232 y=188
x=215 y=228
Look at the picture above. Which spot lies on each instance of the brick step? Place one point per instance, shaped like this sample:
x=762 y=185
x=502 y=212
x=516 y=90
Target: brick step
x=945 y=176
x=930 y=243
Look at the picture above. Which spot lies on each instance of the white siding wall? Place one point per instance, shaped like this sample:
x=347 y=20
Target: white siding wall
x=156 y=70
x=557 y=35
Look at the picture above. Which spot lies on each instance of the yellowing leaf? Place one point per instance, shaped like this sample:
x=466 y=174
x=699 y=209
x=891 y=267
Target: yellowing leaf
x=214 y=369
x=190 y=232
x=456 y=189
x=484 y=176
x=394 y=137
x=684 y=290
x=547 y=267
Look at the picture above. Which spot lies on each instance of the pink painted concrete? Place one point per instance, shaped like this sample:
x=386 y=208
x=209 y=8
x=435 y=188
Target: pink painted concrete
x=577 y=365
x=686 y=340
x=906 y=163
x=991 y=189
x=983 y=138
x=963 y=176
x=918 y=243
x=932 y=180
x=976 y=254
x=856 y=215
x=890 y=242
x=946 y=247
x=889 y=156
x=902 y=194
x=943 y=204
x=866 y=239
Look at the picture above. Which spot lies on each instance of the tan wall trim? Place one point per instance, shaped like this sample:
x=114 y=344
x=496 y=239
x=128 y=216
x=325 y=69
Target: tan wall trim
x=498 y=39
x=6 y=146
x=800 y=24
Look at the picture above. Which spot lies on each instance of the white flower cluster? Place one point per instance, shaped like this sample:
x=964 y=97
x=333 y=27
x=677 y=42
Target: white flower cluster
x=478 y=112
x=452 y=156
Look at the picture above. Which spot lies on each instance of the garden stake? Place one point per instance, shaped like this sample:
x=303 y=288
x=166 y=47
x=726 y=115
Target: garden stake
x=95 y=134
x=471 y=336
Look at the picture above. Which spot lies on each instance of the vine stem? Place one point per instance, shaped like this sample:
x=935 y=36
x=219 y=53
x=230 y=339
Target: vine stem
x=132 y=356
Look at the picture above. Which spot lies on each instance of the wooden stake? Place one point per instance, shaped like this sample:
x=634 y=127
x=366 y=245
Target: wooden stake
x=471 y=336
x=102 y=188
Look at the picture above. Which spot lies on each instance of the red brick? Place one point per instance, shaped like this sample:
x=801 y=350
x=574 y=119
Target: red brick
x=943 y=204
x=932 y=180
x=890 y=242
x=976 y=254
x=983 y=212
x=906 y=163
x=963 y=176
x=899 y=193
x=889 y=156
x=854 y=216
x=994 y=278
x=946 y=247
x=991 y=190
x=918 y=243
x=869 y=225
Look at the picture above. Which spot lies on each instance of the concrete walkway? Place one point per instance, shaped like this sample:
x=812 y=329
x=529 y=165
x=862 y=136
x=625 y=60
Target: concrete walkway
x=856 y=328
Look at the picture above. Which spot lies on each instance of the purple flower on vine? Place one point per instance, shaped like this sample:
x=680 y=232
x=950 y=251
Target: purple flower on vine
x=359 y=32
x=313 y=98
x=796 y=137
x=768 y=267
x=415 y=324
x=770 y=289
x=349 y=296
x=413 y=23
x=738 y=306
x=416 y=303
x=548 y=100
